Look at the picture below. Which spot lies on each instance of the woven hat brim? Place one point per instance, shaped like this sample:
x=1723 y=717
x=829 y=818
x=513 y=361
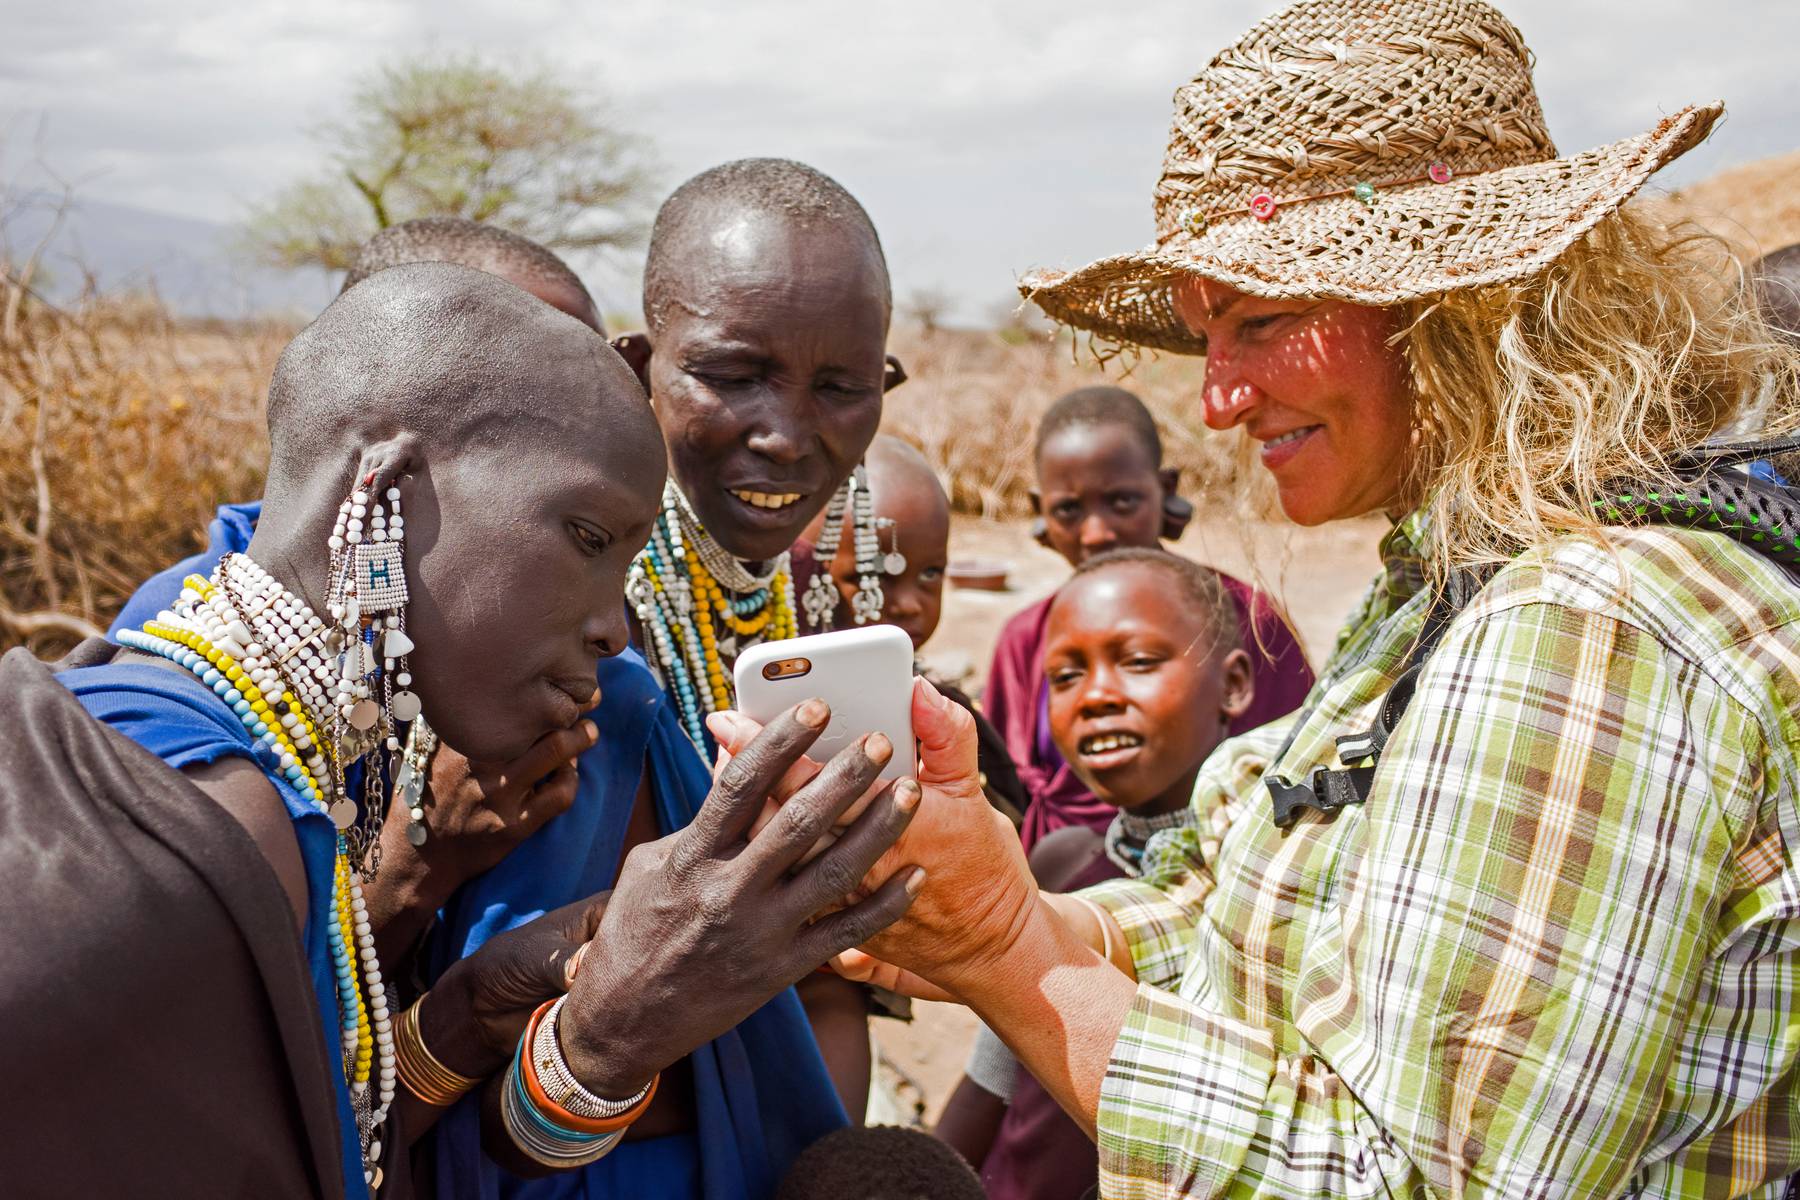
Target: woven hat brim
x=1418 y=240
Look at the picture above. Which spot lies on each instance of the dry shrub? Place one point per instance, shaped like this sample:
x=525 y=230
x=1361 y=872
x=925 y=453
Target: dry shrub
x=120 y=432
x=973 y=402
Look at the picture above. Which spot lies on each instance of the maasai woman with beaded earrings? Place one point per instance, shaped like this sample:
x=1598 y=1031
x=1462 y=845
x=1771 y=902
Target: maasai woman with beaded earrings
x=767 y=375
x=290 y=685
x=1510 y=908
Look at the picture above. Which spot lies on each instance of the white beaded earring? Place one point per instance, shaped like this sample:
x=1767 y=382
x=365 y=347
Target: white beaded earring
x=865 y=606
x=821 y=597
x=369 y=647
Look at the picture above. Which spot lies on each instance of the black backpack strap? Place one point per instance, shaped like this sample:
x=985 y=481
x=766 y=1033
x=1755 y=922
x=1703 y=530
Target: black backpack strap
x=1329 y=789
x=1710 y=489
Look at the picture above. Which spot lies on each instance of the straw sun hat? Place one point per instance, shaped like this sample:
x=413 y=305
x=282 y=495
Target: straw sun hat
x=1373 y=151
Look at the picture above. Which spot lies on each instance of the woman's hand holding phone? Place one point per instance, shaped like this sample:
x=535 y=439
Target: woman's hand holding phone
x=978 y=893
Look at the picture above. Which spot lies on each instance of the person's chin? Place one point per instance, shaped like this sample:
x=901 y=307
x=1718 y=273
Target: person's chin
x=1303 y=505
x=753 y=533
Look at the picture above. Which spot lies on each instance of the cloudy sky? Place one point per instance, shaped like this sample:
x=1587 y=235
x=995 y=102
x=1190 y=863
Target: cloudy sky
x=984 y=138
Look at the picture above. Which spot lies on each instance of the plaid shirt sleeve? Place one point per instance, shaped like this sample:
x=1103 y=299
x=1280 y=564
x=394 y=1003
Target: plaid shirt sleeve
x=1493 y=1002
x=1157 y=912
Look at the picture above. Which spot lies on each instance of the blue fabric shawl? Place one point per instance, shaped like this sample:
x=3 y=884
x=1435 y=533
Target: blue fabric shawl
x=762 y=1091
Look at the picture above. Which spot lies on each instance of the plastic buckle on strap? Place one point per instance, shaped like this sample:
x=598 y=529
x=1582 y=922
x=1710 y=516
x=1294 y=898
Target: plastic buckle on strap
x=1325 y=790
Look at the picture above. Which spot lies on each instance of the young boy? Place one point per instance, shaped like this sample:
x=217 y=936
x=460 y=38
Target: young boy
x=1102 y=486
x=912 y=519
x=1146 y=674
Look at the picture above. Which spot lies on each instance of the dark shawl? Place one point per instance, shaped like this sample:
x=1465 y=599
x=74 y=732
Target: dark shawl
x=158 y=1030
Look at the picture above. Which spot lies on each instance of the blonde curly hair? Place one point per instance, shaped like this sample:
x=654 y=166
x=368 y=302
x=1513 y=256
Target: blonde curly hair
x=1641 y=341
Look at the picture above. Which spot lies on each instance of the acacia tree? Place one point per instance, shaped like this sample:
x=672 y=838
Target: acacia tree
x=459 y=137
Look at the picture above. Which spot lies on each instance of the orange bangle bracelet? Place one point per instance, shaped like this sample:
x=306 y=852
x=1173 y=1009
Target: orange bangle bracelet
x=563 y=1116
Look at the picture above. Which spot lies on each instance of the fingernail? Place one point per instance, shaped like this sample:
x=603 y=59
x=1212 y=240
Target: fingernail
x=915 y=881
x=907 y=795
x=592 y=730
x=813 y=714
x=572 y=765
x=878 y=749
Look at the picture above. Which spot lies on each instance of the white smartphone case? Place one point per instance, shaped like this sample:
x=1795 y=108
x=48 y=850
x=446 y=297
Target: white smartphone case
x=864 y=674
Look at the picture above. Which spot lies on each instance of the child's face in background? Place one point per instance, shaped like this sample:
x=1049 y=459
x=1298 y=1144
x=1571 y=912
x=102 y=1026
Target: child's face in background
x=1139 y=691
x=914 y=599
x=1098 y=490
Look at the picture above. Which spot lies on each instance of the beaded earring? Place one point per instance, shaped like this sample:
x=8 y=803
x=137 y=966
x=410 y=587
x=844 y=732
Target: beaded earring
x=821 y=597
x=893 y=563
x=865 y=606
x=372 y=652
x=409 y=780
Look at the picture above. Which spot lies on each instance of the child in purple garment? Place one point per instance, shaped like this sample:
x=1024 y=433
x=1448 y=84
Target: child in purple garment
x=1146 y=674
x=1102 y=486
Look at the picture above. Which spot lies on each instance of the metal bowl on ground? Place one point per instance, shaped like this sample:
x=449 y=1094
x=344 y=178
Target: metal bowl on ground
x=979 y=574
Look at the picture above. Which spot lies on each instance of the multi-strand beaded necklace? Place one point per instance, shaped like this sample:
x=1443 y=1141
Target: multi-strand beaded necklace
x=699 y=608
x=270 y=658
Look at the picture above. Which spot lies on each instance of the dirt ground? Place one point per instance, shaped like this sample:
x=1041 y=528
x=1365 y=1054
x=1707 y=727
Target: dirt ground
x=1315 y=574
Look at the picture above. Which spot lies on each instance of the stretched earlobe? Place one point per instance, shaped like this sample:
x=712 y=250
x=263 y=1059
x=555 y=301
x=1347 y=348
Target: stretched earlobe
x=383 y=463
x=1040 y=532
x=893 y=376
x=1176 y=513
x=635 y=349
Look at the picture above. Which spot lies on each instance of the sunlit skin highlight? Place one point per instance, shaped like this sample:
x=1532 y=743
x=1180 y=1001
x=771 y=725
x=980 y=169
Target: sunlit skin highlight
x=1326 y=371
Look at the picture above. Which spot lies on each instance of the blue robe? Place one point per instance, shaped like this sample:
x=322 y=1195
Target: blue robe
x=762 y=1091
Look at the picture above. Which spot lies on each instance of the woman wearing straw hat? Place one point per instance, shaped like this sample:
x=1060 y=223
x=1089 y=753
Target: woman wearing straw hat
x=1548 y=945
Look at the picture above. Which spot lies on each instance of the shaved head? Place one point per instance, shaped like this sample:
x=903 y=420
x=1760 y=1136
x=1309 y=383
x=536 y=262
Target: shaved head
x=778 y=187
x=897 y=469
x=447 y=351
x=1777 y=279
x=516 y=259
x=529 y=467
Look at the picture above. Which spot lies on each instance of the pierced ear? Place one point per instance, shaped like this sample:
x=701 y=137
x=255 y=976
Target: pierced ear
x=893 y=376
x=384 y=462
x=635 y=349
x=1040 y=532
x=1239 y=691
x=1176 y=513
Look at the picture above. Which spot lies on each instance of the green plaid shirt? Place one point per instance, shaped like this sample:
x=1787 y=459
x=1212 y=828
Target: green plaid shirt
x=1556 y=952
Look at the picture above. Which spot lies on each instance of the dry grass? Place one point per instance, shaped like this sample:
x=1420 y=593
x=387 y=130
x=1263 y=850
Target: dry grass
x=973 y=403
x=1756 y=206
x=119 y=433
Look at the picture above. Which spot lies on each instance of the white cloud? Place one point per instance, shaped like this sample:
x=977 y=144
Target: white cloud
x=983 y=137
